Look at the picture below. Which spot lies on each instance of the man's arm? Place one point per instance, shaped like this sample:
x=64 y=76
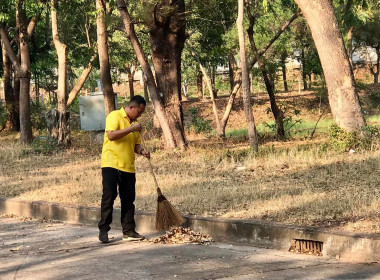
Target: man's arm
x=117 y=134
x=141 y=151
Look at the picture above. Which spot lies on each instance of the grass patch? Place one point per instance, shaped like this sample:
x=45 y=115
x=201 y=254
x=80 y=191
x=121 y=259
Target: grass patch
x=285 y=182
x=298 y=181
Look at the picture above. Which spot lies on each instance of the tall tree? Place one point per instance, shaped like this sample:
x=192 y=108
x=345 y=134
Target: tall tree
x=170 y=136
x=269 y=83
x=22 y=67
x=105 y=69
x=10 y=123
x=167 y=39
x=63 y=128
x=252 y=134
x=343 y=98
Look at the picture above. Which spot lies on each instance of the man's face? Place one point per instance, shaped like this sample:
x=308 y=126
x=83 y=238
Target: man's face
x=135 y=111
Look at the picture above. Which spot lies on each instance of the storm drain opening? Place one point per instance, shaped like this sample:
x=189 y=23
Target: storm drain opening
x=304 y=246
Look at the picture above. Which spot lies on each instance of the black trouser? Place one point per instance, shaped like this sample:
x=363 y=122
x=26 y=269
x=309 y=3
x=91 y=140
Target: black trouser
x=111 y=179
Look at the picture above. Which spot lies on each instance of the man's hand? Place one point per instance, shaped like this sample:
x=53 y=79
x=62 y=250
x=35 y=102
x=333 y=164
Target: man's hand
x=136 y=127
x=145 y=153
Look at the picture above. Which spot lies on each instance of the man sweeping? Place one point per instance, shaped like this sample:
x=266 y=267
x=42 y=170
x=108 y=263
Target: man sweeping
x=122 y=140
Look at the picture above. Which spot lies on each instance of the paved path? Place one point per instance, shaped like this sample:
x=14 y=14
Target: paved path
x=34 y=249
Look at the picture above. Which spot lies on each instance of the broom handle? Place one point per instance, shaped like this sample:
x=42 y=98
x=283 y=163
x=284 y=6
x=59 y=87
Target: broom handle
x=151 y=169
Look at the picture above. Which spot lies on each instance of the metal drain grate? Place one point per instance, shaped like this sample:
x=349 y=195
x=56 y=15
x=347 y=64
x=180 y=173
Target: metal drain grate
x=304 y=246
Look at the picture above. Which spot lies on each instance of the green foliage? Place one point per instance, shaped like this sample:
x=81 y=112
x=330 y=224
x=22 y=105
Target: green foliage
x=41 y=145
x=74 y=107
x=289 y=122
x=342 y=140
x=236 y=155
x=37 y=114
x=374 y=98
x=3 y=114
x=199 y=125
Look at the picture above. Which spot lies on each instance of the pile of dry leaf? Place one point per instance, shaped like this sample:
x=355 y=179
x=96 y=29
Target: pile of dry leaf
x=182 y=235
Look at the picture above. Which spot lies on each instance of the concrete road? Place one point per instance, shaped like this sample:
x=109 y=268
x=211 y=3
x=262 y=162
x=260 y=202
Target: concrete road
x=34 y=249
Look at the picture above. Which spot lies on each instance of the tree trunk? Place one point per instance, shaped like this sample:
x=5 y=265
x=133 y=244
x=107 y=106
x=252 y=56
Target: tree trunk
x=63 y=122
x=199 y=85
x=10 y=124
x=231 y=99
x=105 y=70
x=37 y=89
x=130 y=84
x=277 y=112
x=79 y=84
x=377 y=67
x=16 y=96
x=343 y=98
x=283 y=68
x=252 y=134
x=159 y=109
x=208 y=82
x=213 y=81
x=24 y=75
x=146 y=94
x=310 y=81
x=303 y=62
x=350 y=35
x=167 y=38
x=231 y=73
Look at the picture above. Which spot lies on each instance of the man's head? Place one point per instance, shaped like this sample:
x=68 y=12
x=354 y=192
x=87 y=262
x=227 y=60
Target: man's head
x=135 y=107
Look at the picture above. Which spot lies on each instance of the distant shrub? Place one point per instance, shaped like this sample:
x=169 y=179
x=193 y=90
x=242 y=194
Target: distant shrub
x=199 y=125
x=342 y=140
x=37 y=114
x=41 y=146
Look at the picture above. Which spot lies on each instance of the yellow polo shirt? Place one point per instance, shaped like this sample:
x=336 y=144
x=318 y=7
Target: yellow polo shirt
x=119 y=154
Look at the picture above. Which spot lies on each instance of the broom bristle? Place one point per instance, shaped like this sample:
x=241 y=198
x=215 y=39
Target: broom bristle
x=166 y=215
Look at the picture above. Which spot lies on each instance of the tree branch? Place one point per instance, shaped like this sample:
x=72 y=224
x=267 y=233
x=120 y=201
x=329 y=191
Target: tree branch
x=276 y=36
x=8 y=48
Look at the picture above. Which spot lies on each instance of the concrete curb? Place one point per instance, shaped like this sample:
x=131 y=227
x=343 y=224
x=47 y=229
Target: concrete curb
x=257 y=233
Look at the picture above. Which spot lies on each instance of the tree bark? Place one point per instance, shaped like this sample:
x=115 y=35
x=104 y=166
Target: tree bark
x=231 y=99
x=303 y=62
x=199 y=85
x=167 y=38
x=376 y=66
x=24 y=75
x=159 y=109
x=350 y=35
x=10 y=124
x=213 y=80
x=63 y=122
x=283 y=68
x=105 y=70
x=146 y=93
x=131 y=69
x=252 y=134
x=343 y=98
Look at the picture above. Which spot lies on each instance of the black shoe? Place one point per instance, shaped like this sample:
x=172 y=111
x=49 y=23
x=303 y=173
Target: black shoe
x=103 y=236
x=132 y=236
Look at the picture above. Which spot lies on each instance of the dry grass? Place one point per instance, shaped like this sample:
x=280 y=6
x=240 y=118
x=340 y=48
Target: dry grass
x=294 y=181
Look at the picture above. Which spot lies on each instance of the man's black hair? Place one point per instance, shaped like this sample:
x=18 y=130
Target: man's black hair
x=138 y=100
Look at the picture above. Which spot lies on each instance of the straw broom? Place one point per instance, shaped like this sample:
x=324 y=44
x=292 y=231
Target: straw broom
x=166 y=215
